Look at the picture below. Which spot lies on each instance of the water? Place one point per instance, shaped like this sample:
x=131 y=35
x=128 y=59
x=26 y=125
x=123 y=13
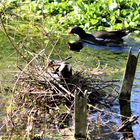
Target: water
x=135 y=104
x=114 y=48
x=114 y=119
x=111 y=118
x=129 y=42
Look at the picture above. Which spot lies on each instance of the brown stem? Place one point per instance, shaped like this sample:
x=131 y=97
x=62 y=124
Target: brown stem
x=5 y=31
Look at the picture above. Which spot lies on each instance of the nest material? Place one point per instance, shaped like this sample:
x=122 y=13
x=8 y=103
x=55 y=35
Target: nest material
x=44 y=99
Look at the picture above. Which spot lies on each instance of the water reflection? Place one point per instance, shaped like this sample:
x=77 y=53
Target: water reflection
x=129 y=42
x=125 y=111
x=109 y=120
x=114 y=48
x=122 y=108
x=135 y=104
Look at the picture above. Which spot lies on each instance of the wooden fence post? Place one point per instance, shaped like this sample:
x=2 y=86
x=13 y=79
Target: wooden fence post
x=129 y=74
x=80 y=115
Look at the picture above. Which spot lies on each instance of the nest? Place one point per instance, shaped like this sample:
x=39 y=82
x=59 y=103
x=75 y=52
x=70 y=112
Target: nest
x=44 y=97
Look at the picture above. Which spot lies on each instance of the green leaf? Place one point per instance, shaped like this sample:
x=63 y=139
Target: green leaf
x=94 y=21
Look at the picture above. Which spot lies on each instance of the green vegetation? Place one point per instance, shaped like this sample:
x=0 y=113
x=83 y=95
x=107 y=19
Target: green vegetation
x=29 y=21
x=92 y=14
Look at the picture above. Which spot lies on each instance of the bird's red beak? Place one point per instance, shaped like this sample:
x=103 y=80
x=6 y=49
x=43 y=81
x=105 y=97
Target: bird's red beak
x=70 y=32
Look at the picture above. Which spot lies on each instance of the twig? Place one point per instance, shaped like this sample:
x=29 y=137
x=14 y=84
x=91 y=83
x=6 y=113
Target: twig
x=127 y=123
x=5 y=31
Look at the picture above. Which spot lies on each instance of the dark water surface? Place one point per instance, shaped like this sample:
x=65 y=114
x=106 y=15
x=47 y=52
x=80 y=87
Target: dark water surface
x=114 y=119
x=135 y=104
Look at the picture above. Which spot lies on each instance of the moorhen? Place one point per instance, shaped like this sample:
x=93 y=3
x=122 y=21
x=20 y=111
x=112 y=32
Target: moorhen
x=76 y=46
x=107 y=36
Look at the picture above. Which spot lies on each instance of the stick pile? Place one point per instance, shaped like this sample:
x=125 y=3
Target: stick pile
x=44 y=97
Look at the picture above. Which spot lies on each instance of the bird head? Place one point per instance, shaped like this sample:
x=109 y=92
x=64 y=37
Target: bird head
x=77 y=30
x=76 y=46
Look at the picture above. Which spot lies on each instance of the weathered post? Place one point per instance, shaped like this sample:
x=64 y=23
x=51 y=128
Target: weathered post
x=129 y=74
x=80 y=115
x=125 y=93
